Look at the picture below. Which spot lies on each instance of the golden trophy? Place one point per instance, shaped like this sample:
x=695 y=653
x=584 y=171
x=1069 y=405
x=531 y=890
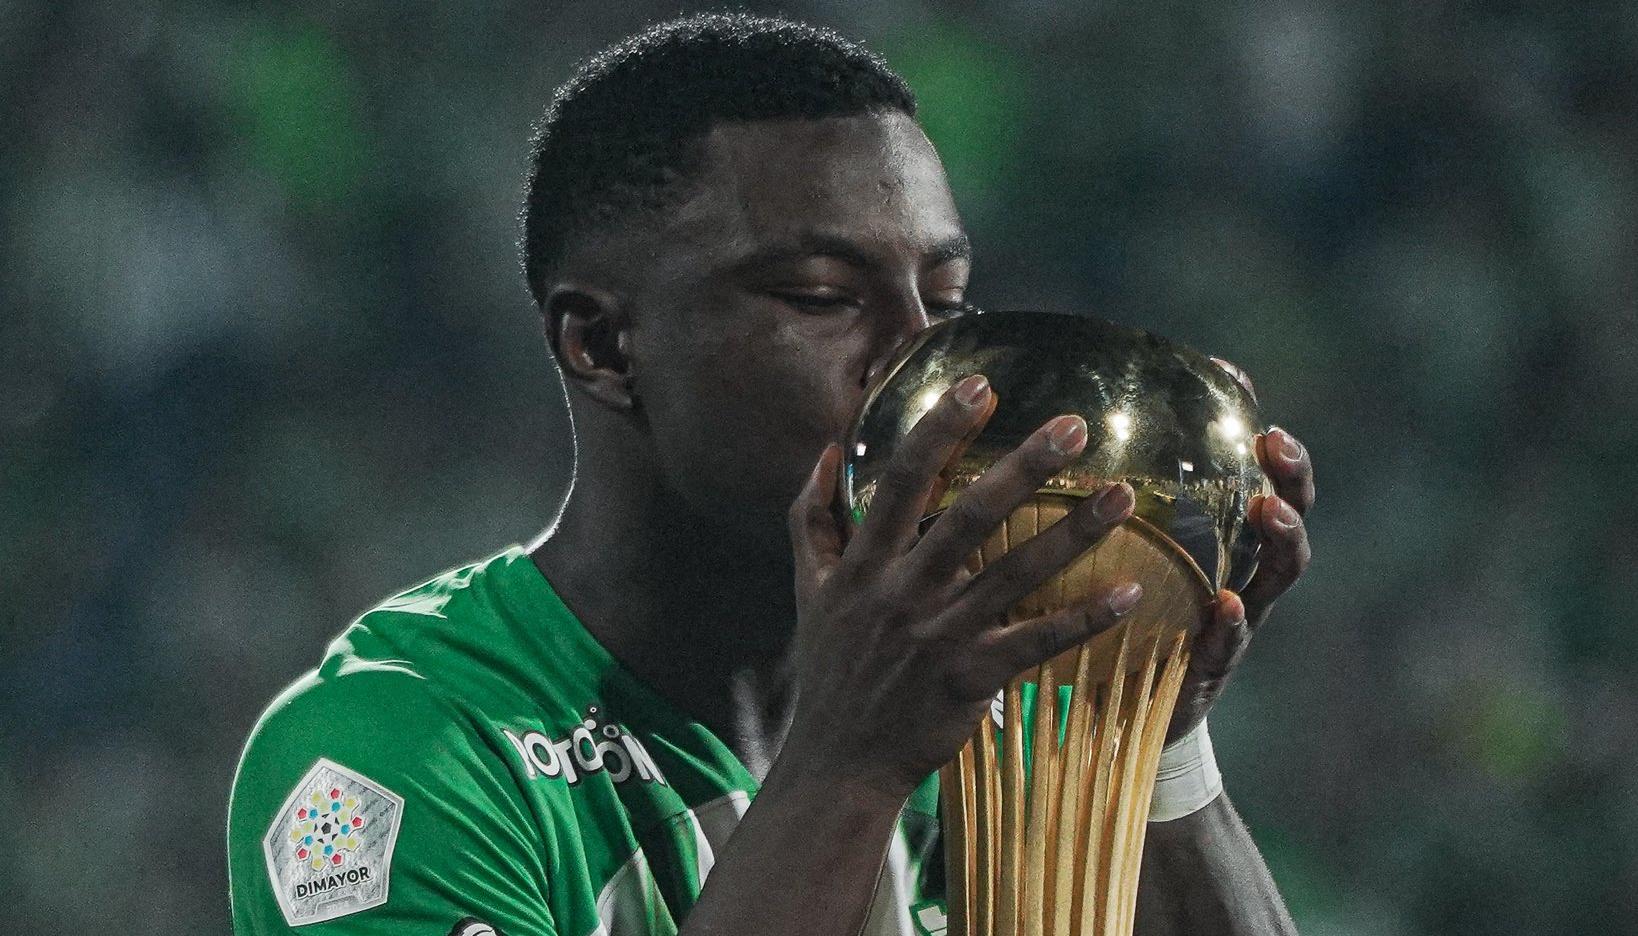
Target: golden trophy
x=1047 y=841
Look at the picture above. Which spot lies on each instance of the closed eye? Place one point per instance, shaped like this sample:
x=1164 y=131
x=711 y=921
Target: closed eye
x=815 y=302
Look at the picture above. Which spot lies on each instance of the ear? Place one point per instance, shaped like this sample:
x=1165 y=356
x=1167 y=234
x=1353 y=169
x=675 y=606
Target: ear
x=589 y=331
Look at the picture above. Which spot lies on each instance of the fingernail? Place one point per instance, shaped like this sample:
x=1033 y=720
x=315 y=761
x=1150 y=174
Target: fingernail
x=1125 y=597
x=971 y=391
x=1289 y=449
x=1285 y=516
x=1113 y=503
x=1240 y=616
x=1066 y=435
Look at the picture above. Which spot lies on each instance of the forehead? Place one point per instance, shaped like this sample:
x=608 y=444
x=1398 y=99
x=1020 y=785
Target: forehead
x=871 y=178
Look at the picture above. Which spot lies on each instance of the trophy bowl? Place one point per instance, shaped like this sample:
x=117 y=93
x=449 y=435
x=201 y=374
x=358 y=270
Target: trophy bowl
x=1159 y=416
x=1049 y=841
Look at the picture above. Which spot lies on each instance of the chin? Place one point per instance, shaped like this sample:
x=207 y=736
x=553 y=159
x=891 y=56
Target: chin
x=745 y=498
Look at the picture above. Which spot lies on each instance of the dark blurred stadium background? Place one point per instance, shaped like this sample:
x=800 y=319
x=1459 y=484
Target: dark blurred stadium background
x=266 y=355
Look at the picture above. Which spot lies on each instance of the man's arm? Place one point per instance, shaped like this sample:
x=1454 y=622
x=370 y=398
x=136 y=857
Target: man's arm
x=805 y=859
x=1203 y=874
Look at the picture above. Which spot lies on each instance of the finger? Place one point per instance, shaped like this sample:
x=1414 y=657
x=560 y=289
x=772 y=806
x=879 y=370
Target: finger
x=815 y=540
x=1217 y=650
x=1027 y=565
x=1239 y=374
x=1008 y=651
x=1222 y=642
x=962 y=528
x=1286 y=462
x=1282 y=559
x=901 y=495
x=941 y=484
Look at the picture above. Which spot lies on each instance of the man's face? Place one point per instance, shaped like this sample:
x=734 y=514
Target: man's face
x=812 y=249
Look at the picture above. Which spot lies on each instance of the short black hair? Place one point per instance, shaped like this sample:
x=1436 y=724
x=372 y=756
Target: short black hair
x=624 y=132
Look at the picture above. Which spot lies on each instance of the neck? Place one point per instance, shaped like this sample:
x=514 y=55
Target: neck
x=699 y=614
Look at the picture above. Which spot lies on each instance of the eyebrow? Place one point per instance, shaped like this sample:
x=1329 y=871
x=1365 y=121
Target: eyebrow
x=818 y=244
x=951 y=248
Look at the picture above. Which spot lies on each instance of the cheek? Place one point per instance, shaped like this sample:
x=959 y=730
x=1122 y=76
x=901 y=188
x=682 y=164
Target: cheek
x=814 y=382
x=795 y=374
x=746 y=416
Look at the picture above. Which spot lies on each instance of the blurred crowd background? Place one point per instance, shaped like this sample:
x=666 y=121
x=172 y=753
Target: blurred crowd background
x=266 y=356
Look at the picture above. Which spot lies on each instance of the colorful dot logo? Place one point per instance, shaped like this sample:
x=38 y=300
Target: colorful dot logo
x=326 y=829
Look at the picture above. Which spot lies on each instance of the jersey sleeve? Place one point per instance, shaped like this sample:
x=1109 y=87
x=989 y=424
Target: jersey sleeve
x=921 y=825
x=367 y=804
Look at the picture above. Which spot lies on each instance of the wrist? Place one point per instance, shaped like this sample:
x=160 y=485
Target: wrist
x=1187 y=779
x=863 y=791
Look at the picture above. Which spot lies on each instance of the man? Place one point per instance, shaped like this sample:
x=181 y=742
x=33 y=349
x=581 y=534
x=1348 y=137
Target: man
x=731 y=223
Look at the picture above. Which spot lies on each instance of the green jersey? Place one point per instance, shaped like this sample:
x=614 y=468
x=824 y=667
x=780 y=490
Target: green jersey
x=468 y=760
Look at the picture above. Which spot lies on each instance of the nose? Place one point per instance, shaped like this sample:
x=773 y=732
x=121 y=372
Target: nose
x=899 y=327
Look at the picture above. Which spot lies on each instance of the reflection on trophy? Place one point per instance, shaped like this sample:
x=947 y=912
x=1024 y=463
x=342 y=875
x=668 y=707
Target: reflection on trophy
x=1045 y=809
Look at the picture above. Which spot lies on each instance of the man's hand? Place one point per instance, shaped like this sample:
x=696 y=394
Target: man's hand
x=1283 y=557
x=900 y=649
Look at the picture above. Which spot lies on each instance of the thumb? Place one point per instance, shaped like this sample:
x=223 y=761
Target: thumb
x=816 y=542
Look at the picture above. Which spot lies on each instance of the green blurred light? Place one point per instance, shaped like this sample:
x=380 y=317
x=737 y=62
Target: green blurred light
x=972 y=102
x=1513 y=731
x=299 y=113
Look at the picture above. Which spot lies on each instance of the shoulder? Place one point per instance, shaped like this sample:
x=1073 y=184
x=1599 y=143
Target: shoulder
x=381 y=721
x=383 y=768
x=406 y=675
x=367 y=708
x=408 y=695
x=356 y=776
